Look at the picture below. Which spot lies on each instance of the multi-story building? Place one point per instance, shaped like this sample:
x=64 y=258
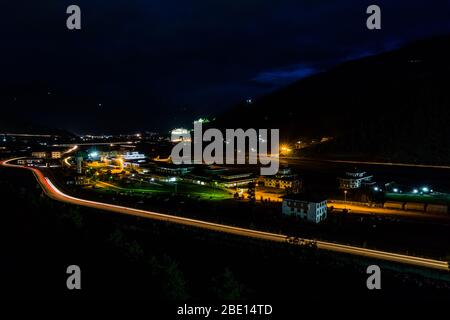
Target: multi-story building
x=180 y=134
x=174 y=170
x=133 y=155
x=30 y=162
x=39 y=154
x=56 y=154
x=284 y=179
x=312 y=208
x=232 y=180
x=47 y=154
x=355 y=180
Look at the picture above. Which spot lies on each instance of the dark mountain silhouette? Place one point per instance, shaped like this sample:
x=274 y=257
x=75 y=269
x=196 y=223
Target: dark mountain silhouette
x=393 y=106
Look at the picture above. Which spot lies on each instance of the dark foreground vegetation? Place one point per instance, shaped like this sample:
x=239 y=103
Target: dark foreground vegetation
x=126 y=257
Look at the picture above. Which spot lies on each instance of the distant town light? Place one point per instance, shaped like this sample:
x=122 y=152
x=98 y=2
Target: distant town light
x=202 y=120
x=285 y=148
x=179 y=132
x=395 y=190
x=376 y=188
x=415 y=191
x=425 y=189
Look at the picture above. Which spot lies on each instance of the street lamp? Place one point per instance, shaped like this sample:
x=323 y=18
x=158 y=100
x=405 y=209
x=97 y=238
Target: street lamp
x=120 y=160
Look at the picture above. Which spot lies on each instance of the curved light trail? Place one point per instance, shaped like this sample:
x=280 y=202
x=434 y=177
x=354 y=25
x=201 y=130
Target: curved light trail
x=53 y=192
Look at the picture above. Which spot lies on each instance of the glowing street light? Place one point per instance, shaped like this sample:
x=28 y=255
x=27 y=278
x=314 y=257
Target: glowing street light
x=120 y=160
x=285 y=149
x=345 y=199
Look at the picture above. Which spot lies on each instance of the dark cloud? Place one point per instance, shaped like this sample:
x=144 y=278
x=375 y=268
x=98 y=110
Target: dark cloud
x=163 y=62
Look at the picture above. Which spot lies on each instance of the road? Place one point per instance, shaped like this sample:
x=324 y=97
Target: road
x=356 y=209
x=390 y=164
x=54 y=193
x=322 y=173
x=92 y=144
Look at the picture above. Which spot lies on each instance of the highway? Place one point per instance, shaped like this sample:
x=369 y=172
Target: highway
x=92 y=144
x=375 y=211
x=54 y=193
x=391 y=164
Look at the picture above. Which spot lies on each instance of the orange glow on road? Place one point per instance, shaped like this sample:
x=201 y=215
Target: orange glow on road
x=53 y=192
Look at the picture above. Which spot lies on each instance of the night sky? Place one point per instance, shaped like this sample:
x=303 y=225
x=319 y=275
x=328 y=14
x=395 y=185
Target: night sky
x=155 y=65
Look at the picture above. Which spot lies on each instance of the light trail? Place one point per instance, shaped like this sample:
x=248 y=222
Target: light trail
x=53 y=192
x=391 y=164
x=66 y=161
x=71 y=150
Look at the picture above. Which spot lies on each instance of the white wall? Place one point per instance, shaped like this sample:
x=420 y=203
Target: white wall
x=314 y=212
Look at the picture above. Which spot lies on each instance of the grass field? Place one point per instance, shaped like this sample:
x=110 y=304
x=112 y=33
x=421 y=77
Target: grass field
x=438 y=198
x=185 y=189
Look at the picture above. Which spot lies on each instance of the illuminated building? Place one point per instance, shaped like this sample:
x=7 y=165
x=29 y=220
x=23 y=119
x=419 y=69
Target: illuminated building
x=355 y=180
x=232 y=180
x=39 y=154
x=45 y=154
x=284 y=179
x=180 y=132
x=56 y=154
x=30 y=162
x=134 y=155
x=307 y=207
x=201 y=120
x=173 y=170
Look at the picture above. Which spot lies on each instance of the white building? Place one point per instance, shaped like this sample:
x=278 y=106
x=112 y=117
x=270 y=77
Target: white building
x=306 y=207
x=180 y=134
x=30 y=162
x=134 y=155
